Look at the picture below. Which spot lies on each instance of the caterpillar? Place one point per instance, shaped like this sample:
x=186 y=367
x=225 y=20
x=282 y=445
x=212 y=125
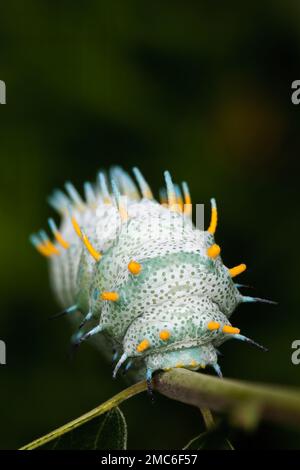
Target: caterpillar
x=144 y=278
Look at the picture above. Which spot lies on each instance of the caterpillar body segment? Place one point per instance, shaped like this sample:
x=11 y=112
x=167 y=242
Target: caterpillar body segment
x=142 y=276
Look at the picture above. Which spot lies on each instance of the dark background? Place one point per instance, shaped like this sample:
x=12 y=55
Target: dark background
x=200 y=88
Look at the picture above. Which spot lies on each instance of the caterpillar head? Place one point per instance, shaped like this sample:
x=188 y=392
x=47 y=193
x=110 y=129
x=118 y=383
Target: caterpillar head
x=193 y=358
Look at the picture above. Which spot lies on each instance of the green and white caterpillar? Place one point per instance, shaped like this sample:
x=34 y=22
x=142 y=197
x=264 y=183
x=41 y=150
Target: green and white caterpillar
x=142 y=276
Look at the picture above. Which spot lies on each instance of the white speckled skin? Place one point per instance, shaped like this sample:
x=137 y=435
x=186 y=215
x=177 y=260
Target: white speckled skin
x=179 y=289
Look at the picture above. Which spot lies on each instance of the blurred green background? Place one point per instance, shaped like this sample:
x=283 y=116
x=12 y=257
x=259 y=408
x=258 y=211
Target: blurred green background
x=200 y=88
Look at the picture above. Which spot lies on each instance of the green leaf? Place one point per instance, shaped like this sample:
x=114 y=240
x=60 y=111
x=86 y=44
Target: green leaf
x=210 y=440
x=106 y=432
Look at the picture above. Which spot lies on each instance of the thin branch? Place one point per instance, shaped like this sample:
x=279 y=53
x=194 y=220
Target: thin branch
x=245 y=402
x=207 y=417
x=99 y=410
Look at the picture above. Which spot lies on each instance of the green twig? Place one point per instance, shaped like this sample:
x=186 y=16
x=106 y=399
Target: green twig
x=207 y=417
x=99 y=410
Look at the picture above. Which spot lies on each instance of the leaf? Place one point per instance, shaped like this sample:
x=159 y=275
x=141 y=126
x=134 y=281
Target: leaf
x=210 y=440
x=106 y=432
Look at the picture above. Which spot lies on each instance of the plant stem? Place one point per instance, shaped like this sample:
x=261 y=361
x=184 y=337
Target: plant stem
x=245 y=402
x=99 y=410
x=207 y=417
